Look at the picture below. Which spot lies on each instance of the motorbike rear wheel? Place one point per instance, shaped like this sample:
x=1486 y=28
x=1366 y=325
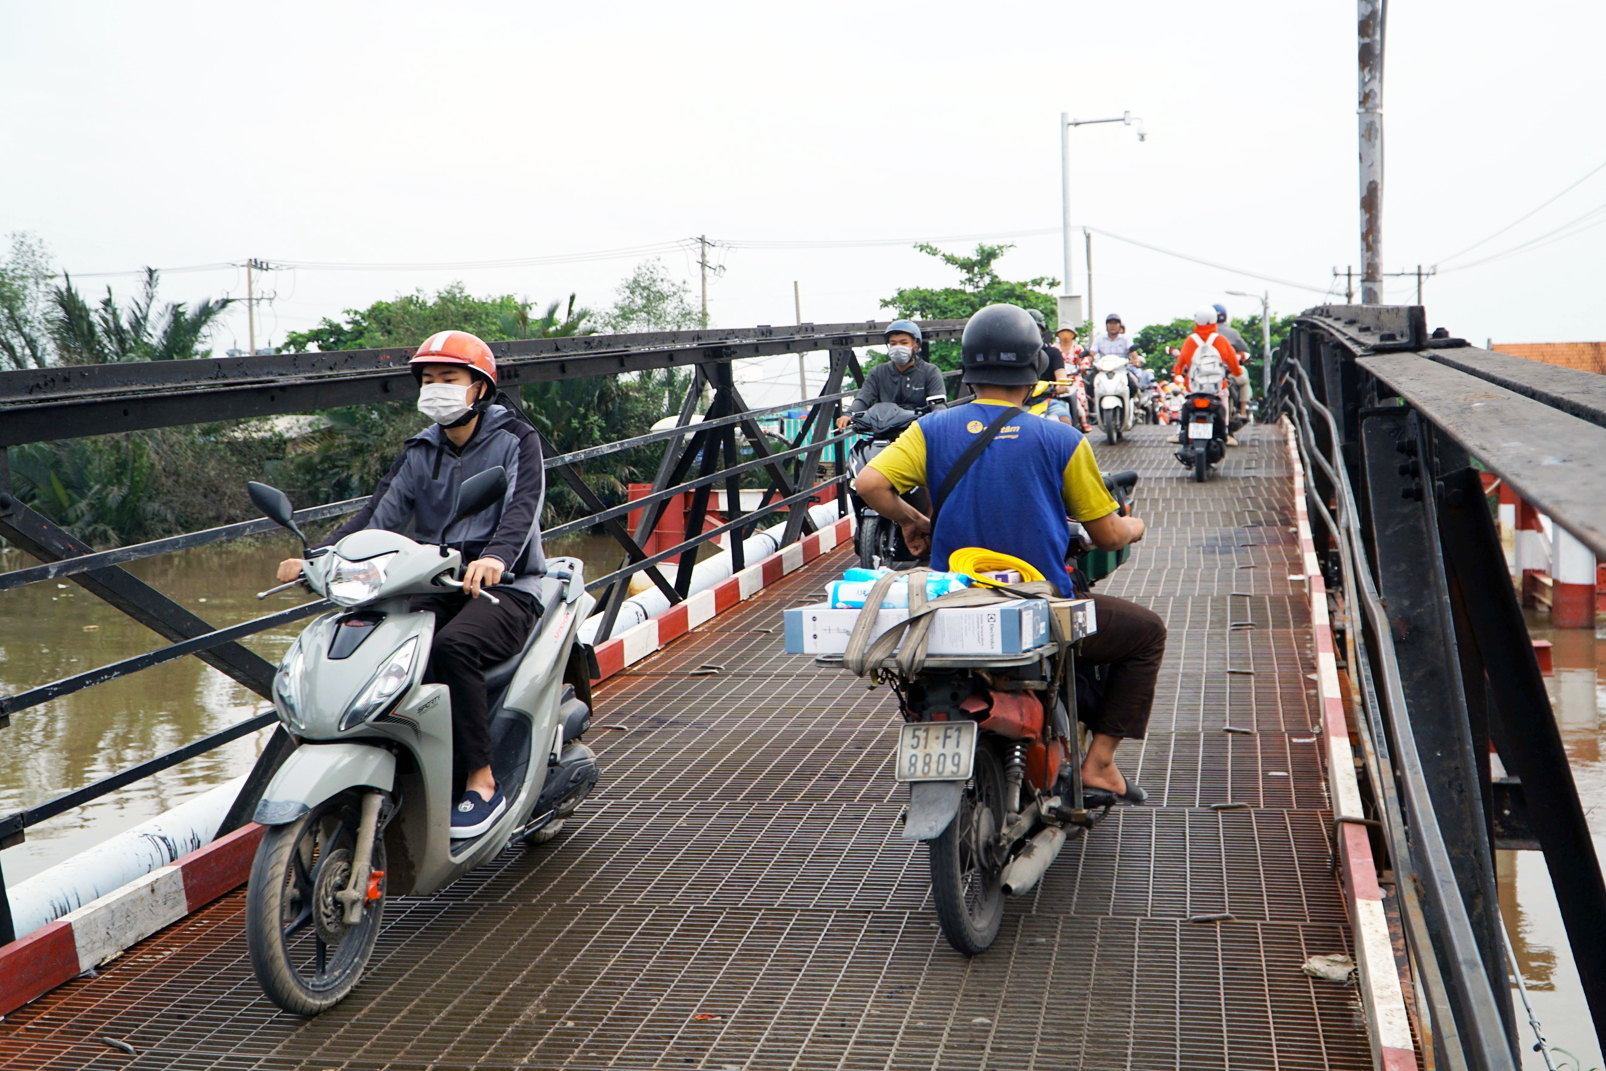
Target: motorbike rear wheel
x=967 y=868
x=304 y=955
x=1201 y=462
x=870 y=540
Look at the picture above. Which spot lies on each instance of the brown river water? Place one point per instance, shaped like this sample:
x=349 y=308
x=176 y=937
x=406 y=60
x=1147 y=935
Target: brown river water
x=53 y=630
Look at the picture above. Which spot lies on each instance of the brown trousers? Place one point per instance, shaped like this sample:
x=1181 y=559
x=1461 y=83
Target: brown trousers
x=1131 y=642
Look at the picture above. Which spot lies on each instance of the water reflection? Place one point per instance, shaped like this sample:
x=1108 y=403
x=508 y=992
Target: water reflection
x=1527 y=899
x=53 y=630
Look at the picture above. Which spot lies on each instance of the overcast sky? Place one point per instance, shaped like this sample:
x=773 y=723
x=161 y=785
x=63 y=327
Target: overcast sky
x=183 y=134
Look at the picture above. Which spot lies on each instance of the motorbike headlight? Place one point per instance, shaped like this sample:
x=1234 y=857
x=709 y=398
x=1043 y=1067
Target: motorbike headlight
x=350 y=583
x=286 y=691
x=385 y=685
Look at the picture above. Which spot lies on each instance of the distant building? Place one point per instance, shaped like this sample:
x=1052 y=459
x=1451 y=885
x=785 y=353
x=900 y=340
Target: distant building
x=1584 y=356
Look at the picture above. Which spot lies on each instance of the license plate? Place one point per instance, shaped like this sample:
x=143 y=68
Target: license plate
x=936 y=751
x=1204 y=429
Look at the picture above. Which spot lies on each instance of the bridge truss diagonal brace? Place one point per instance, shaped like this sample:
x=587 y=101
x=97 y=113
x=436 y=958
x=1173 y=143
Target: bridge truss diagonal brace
x=47 y=541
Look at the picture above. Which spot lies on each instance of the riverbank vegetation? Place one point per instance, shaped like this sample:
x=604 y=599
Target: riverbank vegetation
x=117 y=489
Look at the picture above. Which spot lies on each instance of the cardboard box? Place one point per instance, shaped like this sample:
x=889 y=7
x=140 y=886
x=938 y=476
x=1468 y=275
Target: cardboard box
x=1004 y=628
x=1076 y=617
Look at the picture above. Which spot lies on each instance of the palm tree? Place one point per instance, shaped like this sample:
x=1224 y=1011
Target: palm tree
x=109 y=333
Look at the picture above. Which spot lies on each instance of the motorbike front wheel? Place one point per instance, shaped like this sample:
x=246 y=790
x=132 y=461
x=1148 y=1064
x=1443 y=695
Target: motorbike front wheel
x=1111 y=427
x=870 y=539
x=302 y=951
x=967 y=869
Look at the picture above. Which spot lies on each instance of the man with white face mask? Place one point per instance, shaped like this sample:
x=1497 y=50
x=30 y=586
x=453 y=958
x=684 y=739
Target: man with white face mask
x=456 y=373
x=904 y=379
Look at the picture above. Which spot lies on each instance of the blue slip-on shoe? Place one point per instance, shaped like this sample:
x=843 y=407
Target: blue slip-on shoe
x=473 y=815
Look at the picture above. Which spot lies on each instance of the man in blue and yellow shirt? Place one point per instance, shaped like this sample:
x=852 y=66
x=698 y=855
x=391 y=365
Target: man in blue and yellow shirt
x=1015 y=499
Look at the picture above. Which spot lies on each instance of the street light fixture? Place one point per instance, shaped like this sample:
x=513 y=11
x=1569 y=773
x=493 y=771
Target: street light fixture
x=1070 y=305
x=1265 y=337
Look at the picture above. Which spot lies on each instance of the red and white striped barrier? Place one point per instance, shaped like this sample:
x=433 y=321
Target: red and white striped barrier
x=631 y=646
x=97 y=932
x=1387 y=1021
x=1572 y=593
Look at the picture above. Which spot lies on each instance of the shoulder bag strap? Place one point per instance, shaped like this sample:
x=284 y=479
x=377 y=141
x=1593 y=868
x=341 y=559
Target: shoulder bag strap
x=968 y=458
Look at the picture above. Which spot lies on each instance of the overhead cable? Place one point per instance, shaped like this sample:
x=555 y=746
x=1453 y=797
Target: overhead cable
x=1591 y=173
x=1593 y=218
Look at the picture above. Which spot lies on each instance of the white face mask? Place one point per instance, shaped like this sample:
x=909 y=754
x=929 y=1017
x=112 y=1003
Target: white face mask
x=444 y=403
x=901 y=355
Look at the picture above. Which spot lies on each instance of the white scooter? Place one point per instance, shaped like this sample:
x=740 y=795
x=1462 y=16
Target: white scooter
x=1112 y=396
x=361 y=810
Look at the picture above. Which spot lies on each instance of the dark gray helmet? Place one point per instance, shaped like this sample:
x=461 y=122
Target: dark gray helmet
x=908 y=327
x=1002 y=346
x=1115 y=318
x=1221 y=312
x=1037 y=317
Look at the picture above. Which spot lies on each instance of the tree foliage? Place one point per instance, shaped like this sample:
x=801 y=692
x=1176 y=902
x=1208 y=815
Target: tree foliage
x=651 y=300
x=24 y=303
x=1156 y=339
x=139 y=330
x=979 y=285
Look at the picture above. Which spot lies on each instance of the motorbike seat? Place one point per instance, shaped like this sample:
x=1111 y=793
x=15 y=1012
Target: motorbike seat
x=548 y=594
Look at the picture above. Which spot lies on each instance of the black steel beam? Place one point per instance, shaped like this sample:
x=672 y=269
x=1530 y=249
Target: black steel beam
x=1572 y=390
x=1553 y=460
x=1531 y=741
x=1410 y=577
x=41 y=405
x=45 y=540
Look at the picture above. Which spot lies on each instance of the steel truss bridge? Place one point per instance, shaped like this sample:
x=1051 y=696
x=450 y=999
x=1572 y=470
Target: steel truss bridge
x=1345 y=649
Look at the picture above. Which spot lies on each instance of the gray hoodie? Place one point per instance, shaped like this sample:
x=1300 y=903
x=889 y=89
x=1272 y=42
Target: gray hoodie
x=417 y=495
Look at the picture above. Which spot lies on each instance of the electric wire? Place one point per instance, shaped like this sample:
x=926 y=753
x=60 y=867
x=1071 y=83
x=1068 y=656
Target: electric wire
x=1591 y=173
x=1593 y=218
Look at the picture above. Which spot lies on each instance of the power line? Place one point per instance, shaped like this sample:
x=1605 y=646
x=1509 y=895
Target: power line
x=1548 y=238
x=1590 y=174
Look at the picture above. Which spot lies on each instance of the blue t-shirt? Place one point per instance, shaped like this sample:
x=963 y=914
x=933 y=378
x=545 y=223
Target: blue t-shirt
x=1015 y=497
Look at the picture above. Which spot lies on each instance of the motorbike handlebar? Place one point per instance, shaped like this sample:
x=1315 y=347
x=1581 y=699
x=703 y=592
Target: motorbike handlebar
x=446 y=581
x=281 y=587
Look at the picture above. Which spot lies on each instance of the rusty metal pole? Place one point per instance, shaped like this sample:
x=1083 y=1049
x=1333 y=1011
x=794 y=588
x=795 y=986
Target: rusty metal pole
x=1370 y=111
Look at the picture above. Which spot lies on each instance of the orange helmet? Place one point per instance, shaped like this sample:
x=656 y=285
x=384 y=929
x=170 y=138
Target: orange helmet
x=456 y=347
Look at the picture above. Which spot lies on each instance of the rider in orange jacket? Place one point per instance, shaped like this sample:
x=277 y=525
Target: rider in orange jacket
x=1206 y=335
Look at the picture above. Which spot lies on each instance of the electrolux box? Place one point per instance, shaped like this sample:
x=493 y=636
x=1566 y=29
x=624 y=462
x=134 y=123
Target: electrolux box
x=1002 y=628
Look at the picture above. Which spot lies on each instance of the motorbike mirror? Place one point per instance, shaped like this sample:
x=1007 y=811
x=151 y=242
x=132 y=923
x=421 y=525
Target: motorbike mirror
x=275 y=506
x=479 y=491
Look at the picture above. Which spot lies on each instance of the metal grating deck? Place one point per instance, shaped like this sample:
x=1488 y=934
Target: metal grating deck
x=741 y=864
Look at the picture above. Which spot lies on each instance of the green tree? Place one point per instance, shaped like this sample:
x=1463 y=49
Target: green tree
x=980 y=285
x=138 y=331
x=24 y=303
x=652 y=300
x=1154 y=340
x=407 y=320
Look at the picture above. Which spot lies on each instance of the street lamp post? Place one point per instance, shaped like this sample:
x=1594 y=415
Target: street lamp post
x=1070 y=305
x=1265 y=337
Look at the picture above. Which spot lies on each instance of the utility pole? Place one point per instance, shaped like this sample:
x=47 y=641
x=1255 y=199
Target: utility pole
x=1349 y=283
x=1370 y=113
x=250 y=307
x=1265 y=336
x=1087 y=239
x=802 y=361
x=702 y=263
x=1420 y=276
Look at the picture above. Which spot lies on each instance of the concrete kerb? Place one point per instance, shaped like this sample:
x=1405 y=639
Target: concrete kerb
x=99 y=931
x=1388 y=1023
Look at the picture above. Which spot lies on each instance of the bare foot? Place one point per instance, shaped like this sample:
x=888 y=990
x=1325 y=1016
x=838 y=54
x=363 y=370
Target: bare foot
x=1104 y=776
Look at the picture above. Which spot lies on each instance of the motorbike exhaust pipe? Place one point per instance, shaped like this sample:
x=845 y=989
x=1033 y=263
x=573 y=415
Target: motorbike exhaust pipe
x=1025 y=869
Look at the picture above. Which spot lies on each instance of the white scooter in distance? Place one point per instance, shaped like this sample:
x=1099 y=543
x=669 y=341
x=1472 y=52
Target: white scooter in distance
x=1112 y=396
x=361 y=810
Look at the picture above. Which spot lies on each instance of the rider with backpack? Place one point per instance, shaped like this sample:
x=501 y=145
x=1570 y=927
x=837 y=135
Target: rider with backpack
x=1203 y=356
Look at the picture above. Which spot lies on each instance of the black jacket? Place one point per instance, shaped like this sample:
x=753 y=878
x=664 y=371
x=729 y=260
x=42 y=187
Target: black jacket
x=909 y=388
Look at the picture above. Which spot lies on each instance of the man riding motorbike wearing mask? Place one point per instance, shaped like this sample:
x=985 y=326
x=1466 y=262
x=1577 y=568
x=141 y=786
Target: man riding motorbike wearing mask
x=502 y=544
x=904 y=378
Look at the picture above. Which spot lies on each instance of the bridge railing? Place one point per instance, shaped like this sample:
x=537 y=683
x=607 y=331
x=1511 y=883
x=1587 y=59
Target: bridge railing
x=1394 y=425
x=55 y=403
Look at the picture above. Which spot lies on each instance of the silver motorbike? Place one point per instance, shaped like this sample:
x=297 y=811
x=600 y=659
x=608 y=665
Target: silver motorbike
x=361 y=810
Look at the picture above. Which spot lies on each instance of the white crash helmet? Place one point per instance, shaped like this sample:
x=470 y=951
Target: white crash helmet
x=1204 y=315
